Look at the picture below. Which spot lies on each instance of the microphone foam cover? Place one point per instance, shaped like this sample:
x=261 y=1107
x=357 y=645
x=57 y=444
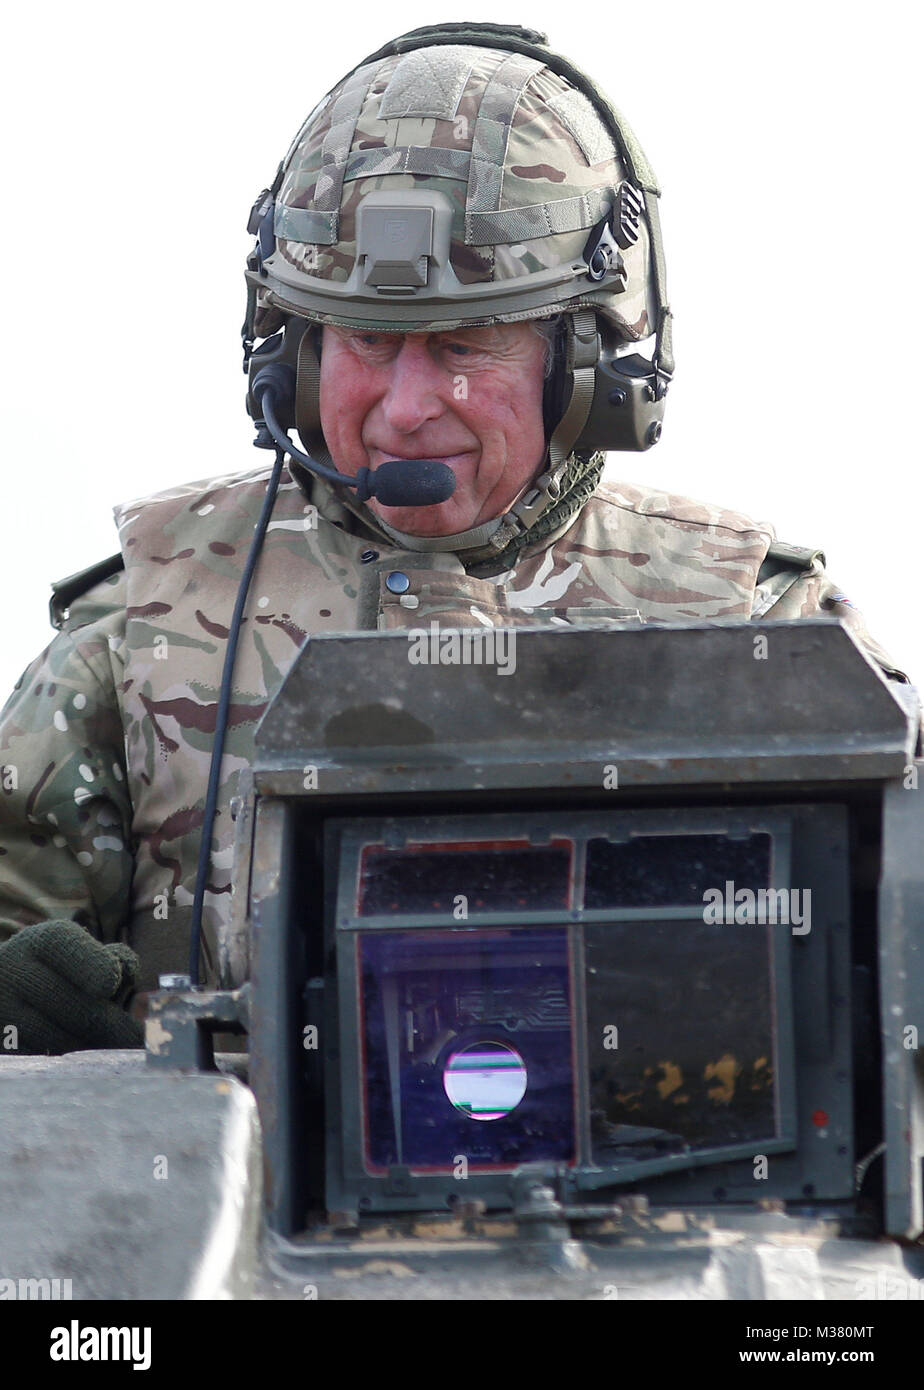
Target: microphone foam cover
x=412 y=482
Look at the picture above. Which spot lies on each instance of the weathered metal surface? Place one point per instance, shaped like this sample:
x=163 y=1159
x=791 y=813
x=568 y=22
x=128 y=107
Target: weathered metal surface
x=82 y=1138
x=668 y=705
x=741 y=1254
x=127 y=1182
x=81 y=1203
x=354 y=720
x=276 y=1047
x=181 y=1024
x=234 y=933
x=901 y=984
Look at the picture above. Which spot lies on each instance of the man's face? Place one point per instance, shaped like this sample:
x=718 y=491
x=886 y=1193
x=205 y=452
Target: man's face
x=471 y=398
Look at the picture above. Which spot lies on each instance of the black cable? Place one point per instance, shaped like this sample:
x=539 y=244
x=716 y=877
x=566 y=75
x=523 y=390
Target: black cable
x=282 y=440
x=395 y=483
x=221 y=716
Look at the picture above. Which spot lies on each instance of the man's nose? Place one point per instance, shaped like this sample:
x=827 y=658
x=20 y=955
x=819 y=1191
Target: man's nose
x=414 y=393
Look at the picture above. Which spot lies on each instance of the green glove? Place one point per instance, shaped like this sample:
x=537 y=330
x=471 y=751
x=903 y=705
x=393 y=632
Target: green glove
x=64 y=991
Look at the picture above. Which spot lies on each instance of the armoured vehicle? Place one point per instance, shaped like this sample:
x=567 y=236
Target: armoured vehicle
x=600 y=976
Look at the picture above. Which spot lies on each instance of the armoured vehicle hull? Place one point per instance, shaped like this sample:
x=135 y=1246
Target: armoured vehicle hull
x=602 y=982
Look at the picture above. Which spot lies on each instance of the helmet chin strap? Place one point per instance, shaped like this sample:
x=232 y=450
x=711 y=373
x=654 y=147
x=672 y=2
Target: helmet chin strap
x=547 y=507
x=472 y=539
x=475 y=538
x=476 y=545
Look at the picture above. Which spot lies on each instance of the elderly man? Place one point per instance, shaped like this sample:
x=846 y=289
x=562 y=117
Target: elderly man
x=459 y=261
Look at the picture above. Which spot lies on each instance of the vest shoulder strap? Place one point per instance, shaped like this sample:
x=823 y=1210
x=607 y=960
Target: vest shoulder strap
x=65 y=591
x=783 y=556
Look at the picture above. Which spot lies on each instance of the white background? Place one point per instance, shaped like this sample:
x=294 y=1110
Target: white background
x=787 y=141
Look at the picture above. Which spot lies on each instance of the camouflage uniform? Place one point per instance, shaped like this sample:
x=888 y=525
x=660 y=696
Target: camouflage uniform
x=105 y=742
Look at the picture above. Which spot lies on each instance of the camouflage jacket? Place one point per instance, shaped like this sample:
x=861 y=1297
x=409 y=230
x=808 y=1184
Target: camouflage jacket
x=105 y=742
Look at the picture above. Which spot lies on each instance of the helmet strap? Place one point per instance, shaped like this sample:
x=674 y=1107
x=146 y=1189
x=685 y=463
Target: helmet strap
x=582 y=347
x=308 y=388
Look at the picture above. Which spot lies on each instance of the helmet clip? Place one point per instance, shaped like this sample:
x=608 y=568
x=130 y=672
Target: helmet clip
x=602 y=255
x=395 y=245
x=260 y=224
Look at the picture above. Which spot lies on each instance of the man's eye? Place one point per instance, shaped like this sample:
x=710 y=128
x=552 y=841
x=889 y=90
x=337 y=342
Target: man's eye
x=375 y=345
x=459 y=349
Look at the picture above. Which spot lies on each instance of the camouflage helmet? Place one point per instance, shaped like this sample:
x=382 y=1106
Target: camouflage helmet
x=463 y=174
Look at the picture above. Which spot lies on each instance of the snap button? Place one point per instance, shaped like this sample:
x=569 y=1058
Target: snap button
x=397 y=582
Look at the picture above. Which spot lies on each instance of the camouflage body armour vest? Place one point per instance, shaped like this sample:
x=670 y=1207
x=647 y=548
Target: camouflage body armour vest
x=110 y=730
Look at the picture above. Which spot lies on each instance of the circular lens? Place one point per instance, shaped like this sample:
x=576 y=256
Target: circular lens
x=485 y=1080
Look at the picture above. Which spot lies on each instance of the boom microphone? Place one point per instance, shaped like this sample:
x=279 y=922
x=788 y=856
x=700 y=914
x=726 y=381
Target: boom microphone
x=395 y=483
x=411 y=482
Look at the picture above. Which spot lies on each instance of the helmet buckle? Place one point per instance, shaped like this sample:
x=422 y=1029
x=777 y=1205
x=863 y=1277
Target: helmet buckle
x=603 y=256
x=263 y=203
